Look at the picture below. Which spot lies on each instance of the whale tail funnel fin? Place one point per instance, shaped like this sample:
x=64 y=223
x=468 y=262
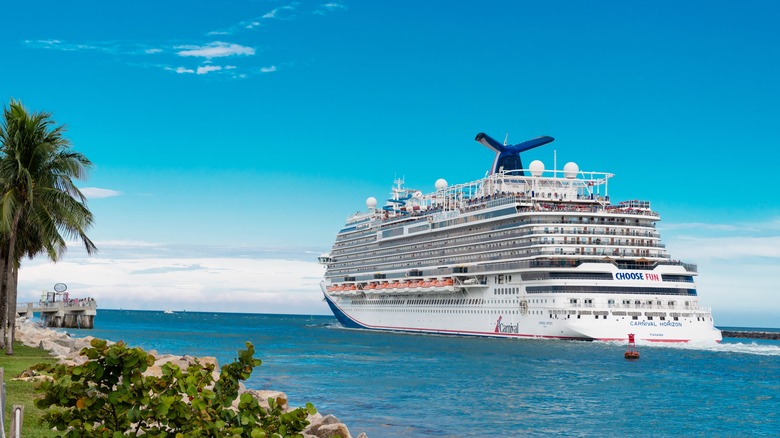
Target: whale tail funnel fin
x=490 y=143
x=508 y=156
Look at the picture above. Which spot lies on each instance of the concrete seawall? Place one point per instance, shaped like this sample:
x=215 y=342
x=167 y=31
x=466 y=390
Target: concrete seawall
x=750 y=335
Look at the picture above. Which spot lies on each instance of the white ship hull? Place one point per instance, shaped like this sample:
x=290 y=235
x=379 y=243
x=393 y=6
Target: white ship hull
x=506 y=320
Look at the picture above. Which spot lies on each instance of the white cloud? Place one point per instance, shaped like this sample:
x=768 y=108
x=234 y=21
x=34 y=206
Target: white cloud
x=152 y=51
x=329 y=7
x=734 y=262
x=277 y=12
x=143 y=276
x=96 y=193
x=202 y=70
x=180 y=70
x=40 y=43
x=270 y=69
x=216 y=49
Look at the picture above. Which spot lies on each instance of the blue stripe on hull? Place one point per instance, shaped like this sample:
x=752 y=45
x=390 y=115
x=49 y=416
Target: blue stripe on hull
x=345 y=320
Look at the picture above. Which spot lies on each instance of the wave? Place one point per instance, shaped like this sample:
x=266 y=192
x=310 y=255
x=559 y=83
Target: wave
x=756 y=348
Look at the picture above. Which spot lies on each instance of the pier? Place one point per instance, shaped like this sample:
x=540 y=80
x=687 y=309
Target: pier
x=77 y=313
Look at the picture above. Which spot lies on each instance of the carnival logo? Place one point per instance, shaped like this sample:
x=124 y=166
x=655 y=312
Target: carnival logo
x=506 y=328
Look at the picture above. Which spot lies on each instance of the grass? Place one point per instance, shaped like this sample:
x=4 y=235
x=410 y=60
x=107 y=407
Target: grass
x=23 y=393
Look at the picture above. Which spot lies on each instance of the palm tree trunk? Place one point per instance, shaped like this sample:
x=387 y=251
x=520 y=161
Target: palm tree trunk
x=4 y=307
x=12 y=293
x=7 y=283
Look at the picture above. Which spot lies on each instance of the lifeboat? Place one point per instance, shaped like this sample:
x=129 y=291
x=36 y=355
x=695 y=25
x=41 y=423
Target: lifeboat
x=352 y=287
x=371 y=286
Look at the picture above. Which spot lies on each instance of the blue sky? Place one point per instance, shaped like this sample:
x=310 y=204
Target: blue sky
x=232 y=138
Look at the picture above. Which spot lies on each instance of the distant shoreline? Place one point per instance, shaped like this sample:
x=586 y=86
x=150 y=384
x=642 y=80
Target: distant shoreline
x=751 y=334
x=722 y=328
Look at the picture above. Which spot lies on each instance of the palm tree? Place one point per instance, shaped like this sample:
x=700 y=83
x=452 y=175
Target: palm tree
x=39 y=206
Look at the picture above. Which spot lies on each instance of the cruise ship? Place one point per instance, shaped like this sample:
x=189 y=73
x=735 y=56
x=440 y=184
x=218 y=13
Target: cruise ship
x=521 y=253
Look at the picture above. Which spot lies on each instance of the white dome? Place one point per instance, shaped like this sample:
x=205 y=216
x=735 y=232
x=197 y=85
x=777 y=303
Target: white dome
x=371 y=202
x=441 y=184
x=537 y=168
x=571 y=169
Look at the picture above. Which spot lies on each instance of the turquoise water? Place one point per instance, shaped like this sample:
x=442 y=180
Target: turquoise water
x=390 y=385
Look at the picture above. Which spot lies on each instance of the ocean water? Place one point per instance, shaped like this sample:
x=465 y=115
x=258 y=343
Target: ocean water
x=403 y=385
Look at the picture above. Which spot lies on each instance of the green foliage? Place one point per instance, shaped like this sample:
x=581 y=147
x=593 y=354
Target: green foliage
x=109 y=396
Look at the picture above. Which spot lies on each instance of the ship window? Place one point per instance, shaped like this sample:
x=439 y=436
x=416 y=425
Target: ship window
x=634 y=317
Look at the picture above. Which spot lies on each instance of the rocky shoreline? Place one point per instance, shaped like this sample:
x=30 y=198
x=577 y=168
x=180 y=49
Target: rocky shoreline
x=66 y=349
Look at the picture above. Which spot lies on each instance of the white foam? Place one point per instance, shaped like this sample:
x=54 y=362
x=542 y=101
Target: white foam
x=726 y=347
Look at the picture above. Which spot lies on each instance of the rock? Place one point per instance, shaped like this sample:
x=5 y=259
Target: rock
x=326 y=427
x=183 y=362
x=331 y=430
x=53 y=348
x=27 y=373
x=66 y=342
x=262 y=397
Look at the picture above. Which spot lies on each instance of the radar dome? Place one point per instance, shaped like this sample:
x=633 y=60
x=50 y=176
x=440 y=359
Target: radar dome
x=371 y=202
x=441 y=184
x=571 y=169
x=537 y=168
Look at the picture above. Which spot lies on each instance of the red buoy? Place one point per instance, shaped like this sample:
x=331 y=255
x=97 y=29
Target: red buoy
x=631 y=353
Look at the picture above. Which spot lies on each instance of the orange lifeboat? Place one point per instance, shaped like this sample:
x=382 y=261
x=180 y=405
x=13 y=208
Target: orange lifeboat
x=352 y=287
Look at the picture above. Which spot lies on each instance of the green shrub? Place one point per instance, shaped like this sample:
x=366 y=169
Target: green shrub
x=109 y=396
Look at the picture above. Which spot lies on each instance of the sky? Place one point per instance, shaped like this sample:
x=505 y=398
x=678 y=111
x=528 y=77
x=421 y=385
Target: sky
x=231 y=139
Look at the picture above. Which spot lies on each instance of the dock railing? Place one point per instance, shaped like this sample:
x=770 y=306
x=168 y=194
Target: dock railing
x=74 y=313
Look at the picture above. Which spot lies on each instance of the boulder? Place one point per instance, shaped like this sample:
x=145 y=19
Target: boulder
x=326 y=427
x=53 y=348
x=262 y=397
